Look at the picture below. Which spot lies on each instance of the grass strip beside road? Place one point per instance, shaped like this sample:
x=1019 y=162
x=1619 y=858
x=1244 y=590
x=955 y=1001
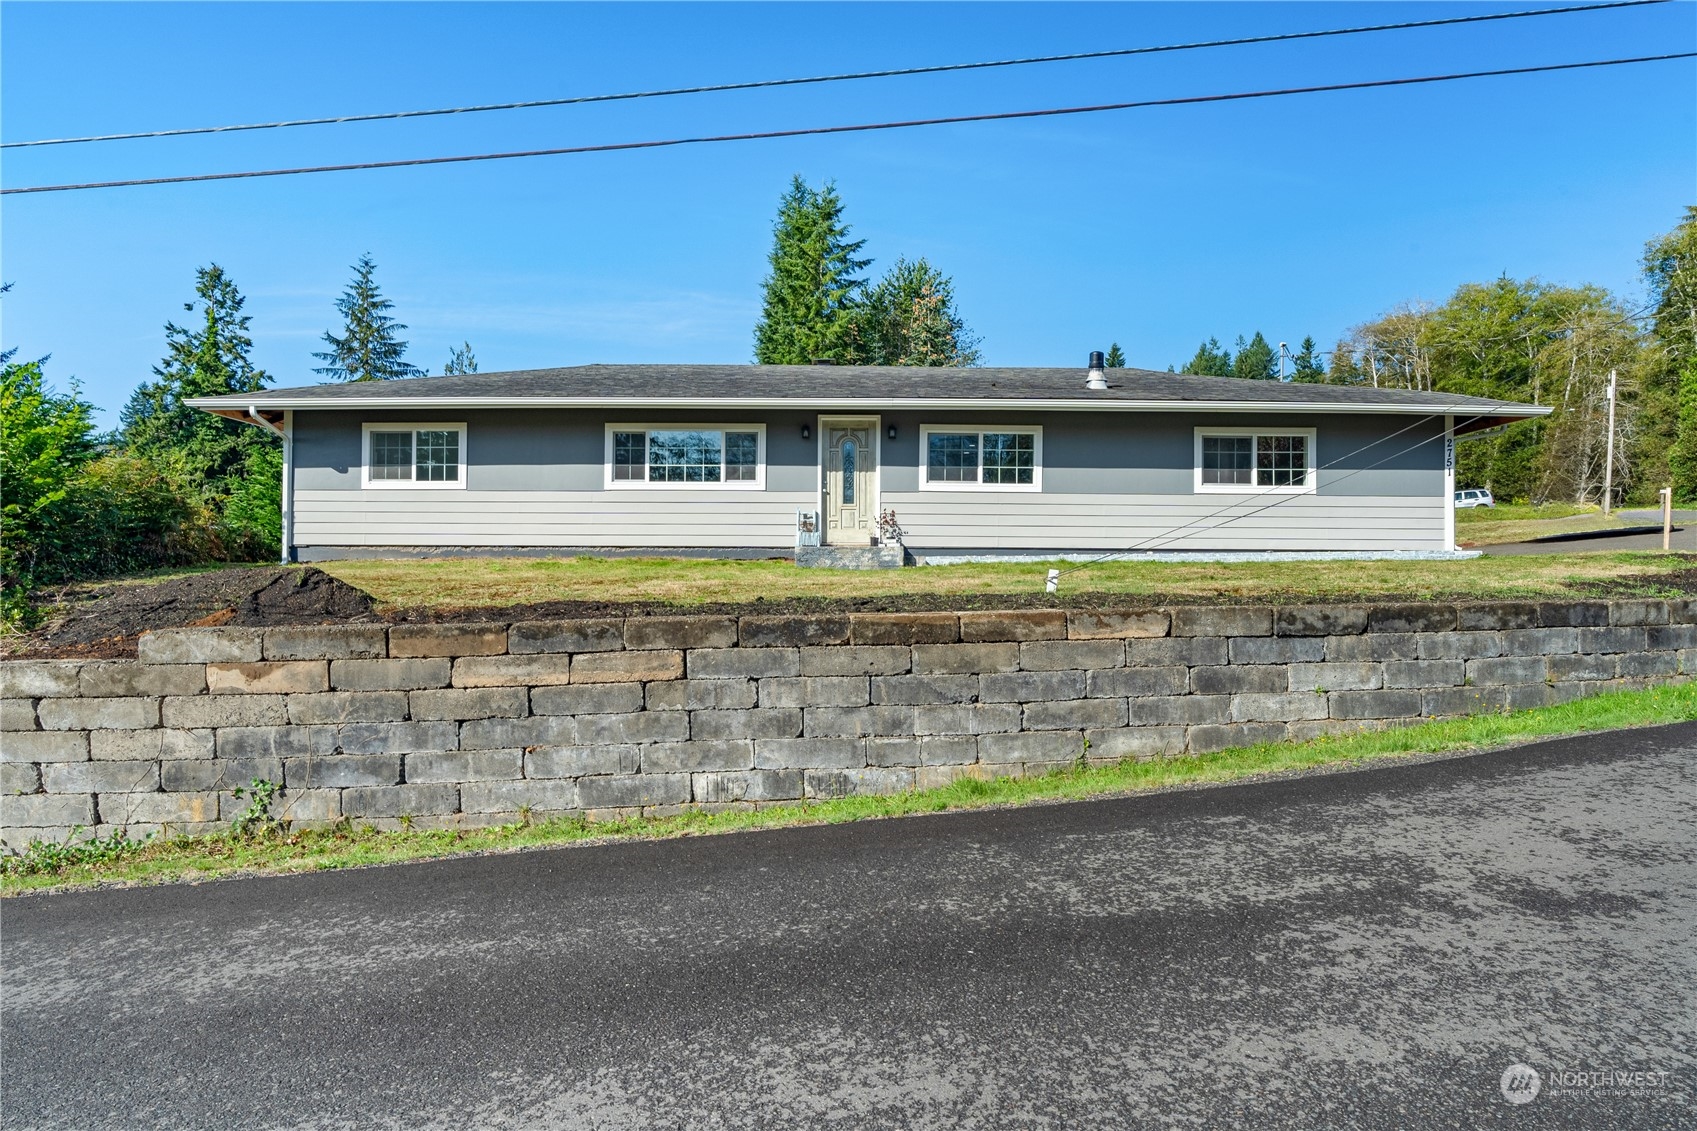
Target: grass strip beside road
x=208 y=857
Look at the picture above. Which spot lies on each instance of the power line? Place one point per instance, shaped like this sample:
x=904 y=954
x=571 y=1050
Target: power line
x=896 y=73
x=817 y=131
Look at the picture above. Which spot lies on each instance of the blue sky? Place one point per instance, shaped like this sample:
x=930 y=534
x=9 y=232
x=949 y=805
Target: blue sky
x=1155 y=228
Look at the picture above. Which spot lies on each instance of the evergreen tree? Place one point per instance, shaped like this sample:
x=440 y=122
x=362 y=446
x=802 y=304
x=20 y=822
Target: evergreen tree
x=207 y=359
x=460 y=361
x=368 y=349
x=1116 y=357
x=1211 y=360
x=1344 y=369
x=1255 y=360
x=812 y=291
x=909 y=318
x=1306 y=366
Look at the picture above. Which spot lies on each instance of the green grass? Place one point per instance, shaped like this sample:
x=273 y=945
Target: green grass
x=1523 y=512
x=1520 y=522
x=188 y=859
x=497 y=582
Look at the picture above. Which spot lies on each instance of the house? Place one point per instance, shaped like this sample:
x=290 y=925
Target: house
x=721 y=460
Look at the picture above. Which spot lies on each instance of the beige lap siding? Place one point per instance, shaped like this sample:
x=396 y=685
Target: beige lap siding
x=635 y=517
x=991 y=520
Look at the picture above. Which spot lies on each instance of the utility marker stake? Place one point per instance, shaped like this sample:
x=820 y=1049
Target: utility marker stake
x=1054 y=581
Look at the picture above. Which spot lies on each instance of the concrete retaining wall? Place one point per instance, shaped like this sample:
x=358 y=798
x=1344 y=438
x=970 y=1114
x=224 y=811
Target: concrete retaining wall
x=461 y=724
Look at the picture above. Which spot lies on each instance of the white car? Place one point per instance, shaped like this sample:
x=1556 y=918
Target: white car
x=1474 y=498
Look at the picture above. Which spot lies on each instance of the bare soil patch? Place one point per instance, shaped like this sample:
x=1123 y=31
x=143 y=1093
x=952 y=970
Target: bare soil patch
x=105 y=619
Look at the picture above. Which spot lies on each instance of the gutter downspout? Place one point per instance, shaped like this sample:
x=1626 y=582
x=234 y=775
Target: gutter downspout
x=286 y=433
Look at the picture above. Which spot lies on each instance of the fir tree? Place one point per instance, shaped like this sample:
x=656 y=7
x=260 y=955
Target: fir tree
x=1211 y=360
x=1307 y=367
x=460 y=361
x=909 y=318
x=812 y=291
x=1255 y=359
x=204 y=360
x=1344 y=369
x=368 y=349
x=1116 y=357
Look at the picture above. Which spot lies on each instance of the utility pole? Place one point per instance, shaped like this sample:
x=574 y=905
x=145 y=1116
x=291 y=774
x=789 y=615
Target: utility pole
x=1609 y=448
x=1284 y=352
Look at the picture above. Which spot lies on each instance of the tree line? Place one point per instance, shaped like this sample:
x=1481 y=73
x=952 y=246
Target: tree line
x=171 y=485
x=1527 y=340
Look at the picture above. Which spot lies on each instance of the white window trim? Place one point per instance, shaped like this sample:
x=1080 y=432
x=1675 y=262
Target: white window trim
x=367 y=482
x=1311 y=480
x=758 y=483
x=926 y=431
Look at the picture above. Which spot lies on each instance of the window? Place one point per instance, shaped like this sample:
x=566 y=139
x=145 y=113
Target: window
x=1244 y=459
x=414 y=455
x=1228 y=459
x=1005 y=458
x=671 y=456
x=1010 y=457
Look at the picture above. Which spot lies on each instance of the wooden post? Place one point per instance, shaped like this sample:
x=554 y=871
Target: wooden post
x=1667 y=518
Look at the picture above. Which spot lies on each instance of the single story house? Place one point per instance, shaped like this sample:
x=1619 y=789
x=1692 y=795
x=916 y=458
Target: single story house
x=736 y=459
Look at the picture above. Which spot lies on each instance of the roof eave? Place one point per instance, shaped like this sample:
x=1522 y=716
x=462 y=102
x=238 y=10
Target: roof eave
x=228 y=407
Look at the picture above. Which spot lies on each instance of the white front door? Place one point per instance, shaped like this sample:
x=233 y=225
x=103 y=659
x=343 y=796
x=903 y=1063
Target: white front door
x=851 y=478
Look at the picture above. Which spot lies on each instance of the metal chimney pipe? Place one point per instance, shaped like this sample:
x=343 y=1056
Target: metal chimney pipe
x=1097 y=377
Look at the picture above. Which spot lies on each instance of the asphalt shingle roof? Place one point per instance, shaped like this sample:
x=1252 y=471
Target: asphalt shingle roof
x=827 y=384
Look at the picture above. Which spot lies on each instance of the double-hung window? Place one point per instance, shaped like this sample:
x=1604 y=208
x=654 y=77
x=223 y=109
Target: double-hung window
x=1002 y=458
x=414 y=455
x=668 y=455
x=1255 y=460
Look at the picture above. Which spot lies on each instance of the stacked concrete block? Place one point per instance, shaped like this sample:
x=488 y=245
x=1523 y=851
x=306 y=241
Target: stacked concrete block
x=431 y=725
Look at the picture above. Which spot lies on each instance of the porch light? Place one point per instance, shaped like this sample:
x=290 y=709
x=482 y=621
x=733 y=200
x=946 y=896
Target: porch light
x=806 y=432
x=892 y=432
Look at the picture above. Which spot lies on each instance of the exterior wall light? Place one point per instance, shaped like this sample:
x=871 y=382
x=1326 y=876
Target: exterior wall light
x=806 y=432
x=892 y=432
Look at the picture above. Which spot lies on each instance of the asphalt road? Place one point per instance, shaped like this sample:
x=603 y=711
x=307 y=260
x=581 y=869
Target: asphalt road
x=1368 y=949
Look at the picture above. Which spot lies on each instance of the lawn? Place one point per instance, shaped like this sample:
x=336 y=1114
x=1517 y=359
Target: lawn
x=199 y=858
x=1519 y=522
x=498 y=582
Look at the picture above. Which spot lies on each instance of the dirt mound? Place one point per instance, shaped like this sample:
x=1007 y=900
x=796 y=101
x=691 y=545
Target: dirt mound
x=104 y=619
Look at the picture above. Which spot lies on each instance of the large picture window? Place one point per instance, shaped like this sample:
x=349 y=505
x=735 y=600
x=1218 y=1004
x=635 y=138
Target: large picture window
x=669 y=455
x=1255 y=460
x=1004 y=458
x=414 y=455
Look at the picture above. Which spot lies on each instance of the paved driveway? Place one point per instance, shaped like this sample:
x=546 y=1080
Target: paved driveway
x=1368 y=949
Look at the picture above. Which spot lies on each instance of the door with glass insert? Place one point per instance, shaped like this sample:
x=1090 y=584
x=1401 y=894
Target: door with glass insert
x=850 y=481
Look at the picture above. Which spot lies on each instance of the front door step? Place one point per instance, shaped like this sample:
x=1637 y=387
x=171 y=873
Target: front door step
x=851 y=557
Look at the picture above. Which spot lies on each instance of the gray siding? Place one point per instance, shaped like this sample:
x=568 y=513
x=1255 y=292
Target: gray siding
x=1110 y=481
